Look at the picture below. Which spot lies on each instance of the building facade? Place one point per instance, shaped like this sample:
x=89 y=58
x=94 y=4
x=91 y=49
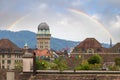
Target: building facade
x=10 y=54
x=89 y=45
x=43 y=36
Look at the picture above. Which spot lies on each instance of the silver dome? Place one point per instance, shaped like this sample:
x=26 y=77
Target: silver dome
x=43 y=26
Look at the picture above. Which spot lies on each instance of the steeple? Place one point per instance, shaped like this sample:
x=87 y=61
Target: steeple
x=110 y=42
x=26 y=46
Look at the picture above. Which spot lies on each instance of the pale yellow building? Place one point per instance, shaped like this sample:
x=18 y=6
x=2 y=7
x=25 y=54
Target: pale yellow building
x=10 y=54
x=43 y=36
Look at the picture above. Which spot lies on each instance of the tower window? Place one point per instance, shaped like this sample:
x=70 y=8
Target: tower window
x=46 y=42
x=41 y=46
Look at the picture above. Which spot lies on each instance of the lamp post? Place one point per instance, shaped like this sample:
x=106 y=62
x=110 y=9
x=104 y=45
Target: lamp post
x=34 y=63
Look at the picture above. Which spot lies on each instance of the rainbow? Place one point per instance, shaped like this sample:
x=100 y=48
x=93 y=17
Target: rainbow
x=16 y=22
x=93 y=19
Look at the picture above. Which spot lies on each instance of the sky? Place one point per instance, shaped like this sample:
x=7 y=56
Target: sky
x=73 y=20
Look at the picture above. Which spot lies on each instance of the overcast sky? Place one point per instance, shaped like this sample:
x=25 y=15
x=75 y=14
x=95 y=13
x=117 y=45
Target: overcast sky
x=68 y=19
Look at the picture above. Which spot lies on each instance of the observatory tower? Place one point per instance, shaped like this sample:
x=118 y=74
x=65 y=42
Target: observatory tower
x=43 y=36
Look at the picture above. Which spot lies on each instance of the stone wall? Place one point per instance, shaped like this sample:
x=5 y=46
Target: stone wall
x=70 y=75
x=77 y=77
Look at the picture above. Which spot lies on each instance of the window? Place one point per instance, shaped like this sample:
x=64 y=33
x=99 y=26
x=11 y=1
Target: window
x=119 y=50
x=3 y=67
x=8 y=67
x=2 y=50
x=3 y=55
x=3 y=61
x=17 y=51
x=9 y=55
x=9 y=61
x=98 y=50
x=9 y=50
x=90 y=50
x=17 y=55
x=83 y=50
x=15 y=61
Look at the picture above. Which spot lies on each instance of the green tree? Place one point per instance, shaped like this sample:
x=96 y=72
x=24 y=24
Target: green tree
x=41 y=64
x=60 y=63
x=76 y=59
x=117 y=61
x=18 y=66
x=83 y=66
x=95 y=59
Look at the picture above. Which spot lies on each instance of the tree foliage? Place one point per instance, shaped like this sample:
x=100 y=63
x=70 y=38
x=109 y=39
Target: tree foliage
x=18 y=66
x=83 y=66
x=41 y=64
x=117 y=61
x=95 y=59
x=60 y=63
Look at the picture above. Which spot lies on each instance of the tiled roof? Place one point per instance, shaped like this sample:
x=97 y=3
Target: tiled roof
x=44 y=52
x=6 y=43
x=89 y=43
x=117 y=45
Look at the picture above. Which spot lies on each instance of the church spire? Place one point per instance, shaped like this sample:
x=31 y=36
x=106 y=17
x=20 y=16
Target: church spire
x=26 y=46
x=110 y=42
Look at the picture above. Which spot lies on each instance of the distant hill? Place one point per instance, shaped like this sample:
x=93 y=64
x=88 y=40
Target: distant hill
x=21 y=37
x=105 y=45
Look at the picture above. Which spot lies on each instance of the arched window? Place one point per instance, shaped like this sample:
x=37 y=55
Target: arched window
x=90 y=50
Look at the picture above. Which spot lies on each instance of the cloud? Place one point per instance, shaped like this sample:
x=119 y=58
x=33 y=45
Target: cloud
x=96 y=16
x=63 y=23
x=115 y=27
x=42 y=6
x=76 y=3
x=113 y=2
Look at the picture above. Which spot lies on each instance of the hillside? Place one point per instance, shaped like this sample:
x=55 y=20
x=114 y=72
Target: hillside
x=21 y=37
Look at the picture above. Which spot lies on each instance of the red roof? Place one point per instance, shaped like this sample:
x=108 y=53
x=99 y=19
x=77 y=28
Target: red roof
x=44 y=52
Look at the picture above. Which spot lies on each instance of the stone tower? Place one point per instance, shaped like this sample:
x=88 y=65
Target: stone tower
x=43 y=36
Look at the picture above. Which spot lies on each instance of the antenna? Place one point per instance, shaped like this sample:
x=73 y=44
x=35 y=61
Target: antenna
x=110 y=42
